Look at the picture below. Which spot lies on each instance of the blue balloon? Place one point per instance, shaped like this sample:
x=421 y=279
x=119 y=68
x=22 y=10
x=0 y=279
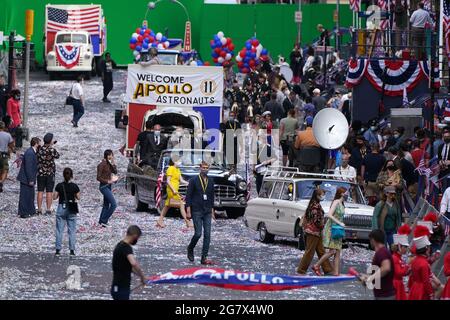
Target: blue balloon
x=253 y=55
x=152 y=33
x=214 y=54
x=218 y=44
x=248 y=46
x=145 y=45
x=264 y=52
x=146 y=40
x=246 y=59
x=163 y=39
x=199 y=63
x=246 y=65
x=216 y=38
x=154 y=45
x=248 y=54
x=138 y=48
x=218 y=64
x=142 y=32
x=213 y=46
x=133 y=40
x=144 y=28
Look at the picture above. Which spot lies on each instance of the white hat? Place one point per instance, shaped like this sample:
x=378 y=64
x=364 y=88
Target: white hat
x=401 y=239
x=421 y=242
x=427 y=224
x=266 y=113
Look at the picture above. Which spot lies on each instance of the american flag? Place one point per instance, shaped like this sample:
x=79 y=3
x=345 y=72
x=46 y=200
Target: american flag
x=446 y=27
x=84 y=18
x=159 y=183
x=355 y=5
x=383 y=4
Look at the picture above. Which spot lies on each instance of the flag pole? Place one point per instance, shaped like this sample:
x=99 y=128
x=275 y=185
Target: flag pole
x=441 y=37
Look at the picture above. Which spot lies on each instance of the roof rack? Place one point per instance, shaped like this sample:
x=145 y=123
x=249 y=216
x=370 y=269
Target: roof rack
x=291 y=172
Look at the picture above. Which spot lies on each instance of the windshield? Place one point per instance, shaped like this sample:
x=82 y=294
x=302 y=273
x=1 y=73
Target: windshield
x=168 y=58
x=192 y=158
x=71 y=38
x=306 y=188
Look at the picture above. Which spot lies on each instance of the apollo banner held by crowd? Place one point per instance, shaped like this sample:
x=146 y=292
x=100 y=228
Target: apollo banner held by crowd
x=175 y=85
x=238 y=280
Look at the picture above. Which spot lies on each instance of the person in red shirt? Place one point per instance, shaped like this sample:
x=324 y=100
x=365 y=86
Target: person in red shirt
x=418 y=154
x=401 y=269
x=13 y=109
x=446 y=292
x=421 y=276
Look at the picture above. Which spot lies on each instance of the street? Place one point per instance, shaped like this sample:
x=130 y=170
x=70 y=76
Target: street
x=29 y=270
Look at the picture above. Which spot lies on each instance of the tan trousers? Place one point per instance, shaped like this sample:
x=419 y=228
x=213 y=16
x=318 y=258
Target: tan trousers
x=313 y=244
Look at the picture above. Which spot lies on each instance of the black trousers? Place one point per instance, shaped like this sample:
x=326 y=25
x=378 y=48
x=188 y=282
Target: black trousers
x=107 y=85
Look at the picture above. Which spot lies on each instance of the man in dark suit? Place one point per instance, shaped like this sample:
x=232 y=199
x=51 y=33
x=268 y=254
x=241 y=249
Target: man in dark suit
x=444 y=160
x=155 y=144
x=200 y=206
x=27 y=177
x=229 y=131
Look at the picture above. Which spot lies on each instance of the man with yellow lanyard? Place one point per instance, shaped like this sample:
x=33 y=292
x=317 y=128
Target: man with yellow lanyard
x=200 y=206
x=229 y=131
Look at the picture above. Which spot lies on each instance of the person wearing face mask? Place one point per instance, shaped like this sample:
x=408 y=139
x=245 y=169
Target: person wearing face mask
x=27 y=177
x=390 y=176
x=13 y=111
x=387 y=215
x=371 y=135
x=177 y=139
x=312 y=223
x=200 y=206
x=230 y=130
x=388 y=140
x=124 y=263
x=444 y=161
x=107 y=176
x=333 y=244
x=174 y=179
x=399 y=136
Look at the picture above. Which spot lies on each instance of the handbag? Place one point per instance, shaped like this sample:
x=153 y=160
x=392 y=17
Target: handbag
x=337 y=232
x=175 y=203
x=72 y=206
x=70 y=99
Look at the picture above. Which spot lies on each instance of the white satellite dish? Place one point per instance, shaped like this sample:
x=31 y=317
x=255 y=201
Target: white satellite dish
x=287 y=72
x=330 y=128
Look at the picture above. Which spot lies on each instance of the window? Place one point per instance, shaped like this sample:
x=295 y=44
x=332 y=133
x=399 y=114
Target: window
x=277 y=190
x=306 y=188
x=74 y=38
x=79 y=38
x=288 y=191
x=266 y=189
x=64 y=38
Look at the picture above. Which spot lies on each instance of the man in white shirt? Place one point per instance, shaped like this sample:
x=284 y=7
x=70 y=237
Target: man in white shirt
x=419 y=20
x=445 y=208
x=346 y=171
x=78 y=102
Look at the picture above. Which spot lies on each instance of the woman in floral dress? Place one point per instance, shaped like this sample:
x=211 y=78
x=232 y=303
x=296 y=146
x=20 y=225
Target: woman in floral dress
x=334 y=246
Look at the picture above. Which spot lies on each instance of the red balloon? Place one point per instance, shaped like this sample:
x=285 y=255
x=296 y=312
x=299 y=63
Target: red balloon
x=138 y=30
x=223 y=54
x=242 y=54
x=255 y=43
x=226 y=63
x=206 y=63
x=254 y=50
x=229 y=41
x=151 y=39
x=245 y=70
x=216 y=60
x=147 y=31
x=211 y=42
x=132 y=46
x=217 y=50
x=240 y=64
x=251 y=63
x=231 y=47
x=140 y=38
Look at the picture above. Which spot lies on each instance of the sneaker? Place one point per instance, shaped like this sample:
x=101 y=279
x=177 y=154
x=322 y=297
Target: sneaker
x=58 y=252
x=105 y=225
x=206 y=262
x=72 y=252
x=190 y=255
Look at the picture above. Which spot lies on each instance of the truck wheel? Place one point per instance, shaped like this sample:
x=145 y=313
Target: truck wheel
x=52 y=76
x=87 y=76
x=264 y=235
x=117 y=117
x=235 y=213
x=140 y=206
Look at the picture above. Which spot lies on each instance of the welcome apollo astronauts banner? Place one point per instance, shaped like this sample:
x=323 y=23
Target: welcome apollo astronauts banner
x=180 y=86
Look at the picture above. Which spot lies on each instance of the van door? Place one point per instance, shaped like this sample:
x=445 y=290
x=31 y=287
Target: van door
x=277 y=209
x=287 y=216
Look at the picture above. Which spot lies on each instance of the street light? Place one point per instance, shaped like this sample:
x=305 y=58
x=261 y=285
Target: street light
x=152 y=5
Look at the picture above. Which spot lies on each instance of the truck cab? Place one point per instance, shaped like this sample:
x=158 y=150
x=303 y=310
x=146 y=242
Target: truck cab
x=168 y=57
x=72 y=51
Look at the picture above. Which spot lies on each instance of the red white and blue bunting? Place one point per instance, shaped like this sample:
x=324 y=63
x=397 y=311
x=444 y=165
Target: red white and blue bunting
x=237 y=280
x=68 y=56
x=400 y=74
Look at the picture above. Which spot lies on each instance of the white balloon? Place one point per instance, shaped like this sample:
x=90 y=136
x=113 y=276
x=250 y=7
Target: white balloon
x=228 y=56
x=220 y=34
x=159 y=36
x=138 y=57
x=193 y=63
x=220 y=60
x=238 y=58
x=224 y=41
x=135 y=53
x=135 y=35
x=167 y=44
x=259 y=47
x=151 y=5
x=160 y=46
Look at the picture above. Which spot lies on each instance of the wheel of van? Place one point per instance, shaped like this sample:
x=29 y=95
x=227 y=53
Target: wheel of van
x=117 y=117
x=140 y=206
x=87 y=76
x=264 y=235
x=235 y=213
x=298 y=232
x=52 y=75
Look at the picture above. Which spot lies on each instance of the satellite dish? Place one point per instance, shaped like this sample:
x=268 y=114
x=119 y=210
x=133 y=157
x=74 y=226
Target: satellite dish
x=330 y=128
x=286 y=72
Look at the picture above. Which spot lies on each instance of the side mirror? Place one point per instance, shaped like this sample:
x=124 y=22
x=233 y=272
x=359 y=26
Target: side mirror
x=125 y=120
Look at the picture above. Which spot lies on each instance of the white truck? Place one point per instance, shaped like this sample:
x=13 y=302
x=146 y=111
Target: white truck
x=75 y=39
